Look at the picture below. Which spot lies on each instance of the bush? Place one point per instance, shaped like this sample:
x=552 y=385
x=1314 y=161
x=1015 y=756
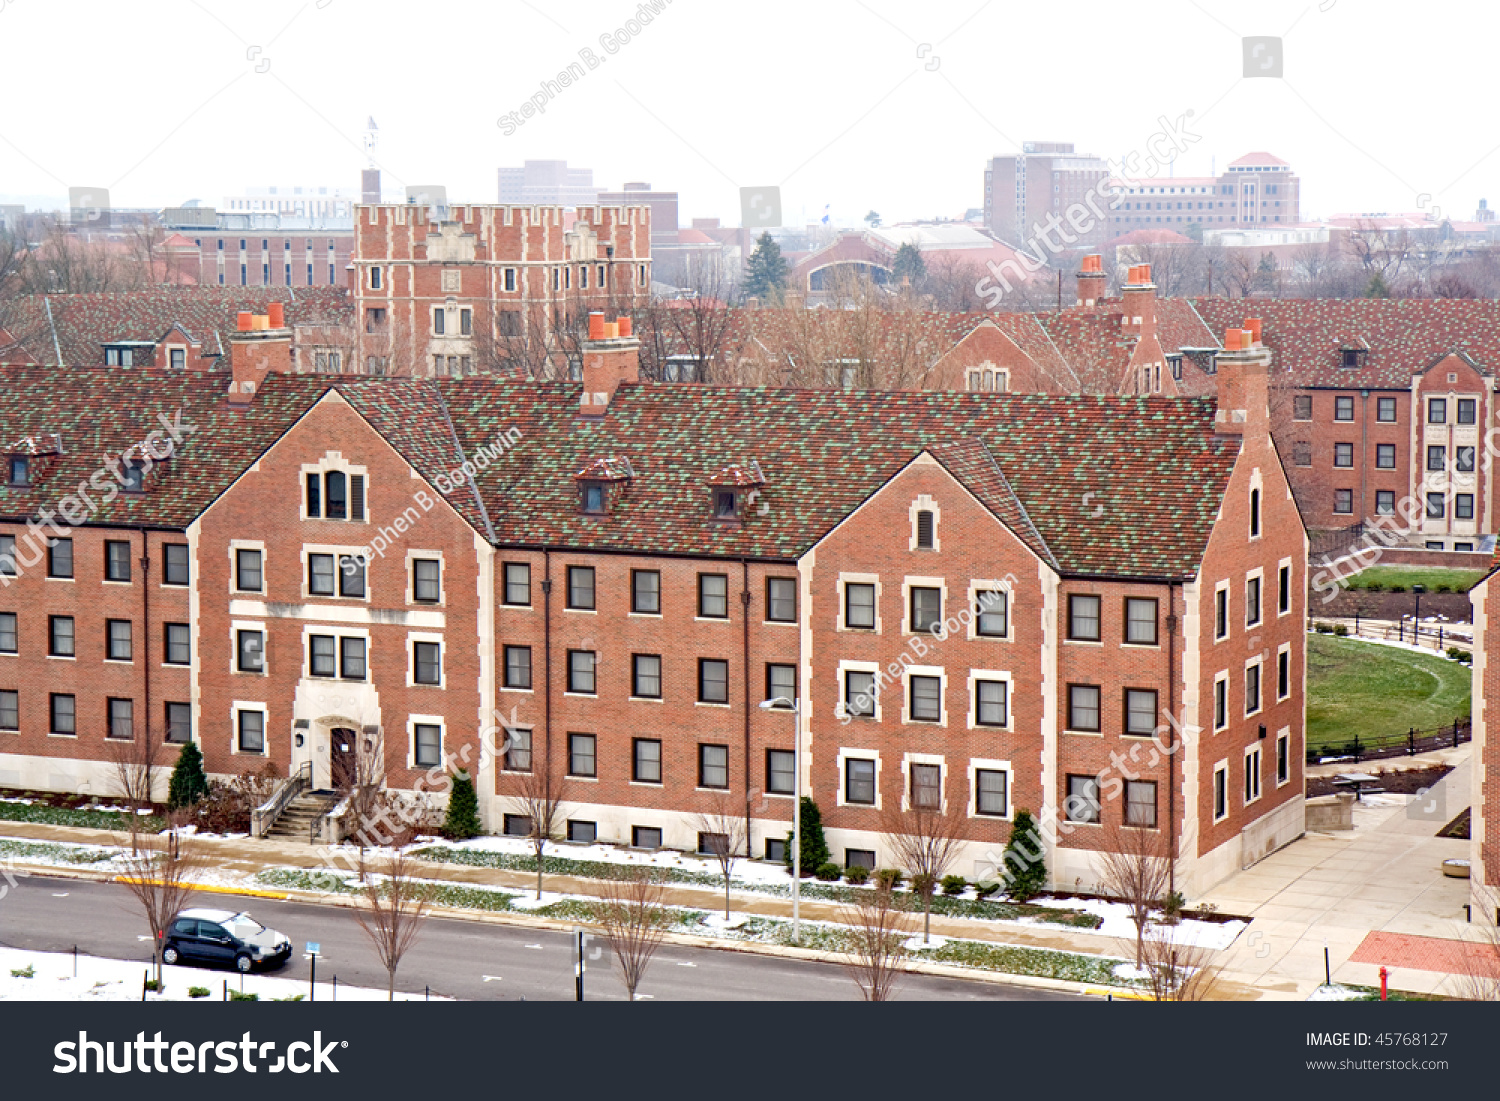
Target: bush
x=462 y=821
x=226 y=806
x=1025 y=870
x=1442 y=588
x=888 y=878
x=197 y=992
x=189 y=782
x=829 y=872
x=954 y=885
x=989 y=887
x=1398 y=588
x=236 y=996
x=1323 y=628
x=1374 y=586
x=857 y=875
x=814 y=847
x=1340 y=631
x=1461 y=656
x=290 y=998
x=152 y=985
x=27 y=972
x=1171 y=907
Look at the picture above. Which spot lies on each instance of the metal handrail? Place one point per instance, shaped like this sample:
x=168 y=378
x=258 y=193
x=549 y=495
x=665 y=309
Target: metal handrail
x=263 y=818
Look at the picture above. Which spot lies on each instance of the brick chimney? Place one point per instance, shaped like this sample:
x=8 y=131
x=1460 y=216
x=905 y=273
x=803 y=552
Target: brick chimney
x=1091 y=280
x=1138 y=297
x=1243 y=376
x=611 y=355
x=262 y=344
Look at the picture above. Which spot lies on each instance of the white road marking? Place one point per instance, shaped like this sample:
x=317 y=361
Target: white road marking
x=538 y=947
x=56 y=895
x=142 y=936
x=491 y=978
x=684 y=963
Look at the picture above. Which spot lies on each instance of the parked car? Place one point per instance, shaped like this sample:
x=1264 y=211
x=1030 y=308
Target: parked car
x=224 y=937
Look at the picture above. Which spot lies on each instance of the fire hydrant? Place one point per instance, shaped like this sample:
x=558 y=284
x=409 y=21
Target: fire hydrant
x=1384 y=975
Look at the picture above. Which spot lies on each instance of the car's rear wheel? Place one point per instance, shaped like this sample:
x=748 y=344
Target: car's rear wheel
x=169 y=955
x=244 y=963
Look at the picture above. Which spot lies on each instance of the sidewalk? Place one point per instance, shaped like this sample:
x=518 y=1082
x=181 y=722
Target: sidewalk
x=1335 y=889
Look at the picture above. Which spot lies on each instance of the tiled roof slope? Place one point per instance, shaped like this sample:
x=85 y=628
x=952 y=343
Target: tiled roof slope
x=971 y=463
x=1152 y=465
x=1404 y=335
x=84 y=322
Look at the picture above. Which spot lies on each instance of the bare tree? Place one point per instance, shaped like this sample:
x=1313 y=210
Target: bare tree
x=1479 y=981
x=1176 y=971
x=358 y=770
x=630 y=914
x=133 y=763
x=1136 y=868
x=158 y=875
x=723 y=830
x=878 y=933
x=395 y=908
x=926 y=837
x=541 y=790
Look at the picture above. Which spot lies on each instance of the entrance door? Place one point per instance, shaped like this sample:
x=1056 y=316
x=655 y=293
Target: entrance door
x=343 y=753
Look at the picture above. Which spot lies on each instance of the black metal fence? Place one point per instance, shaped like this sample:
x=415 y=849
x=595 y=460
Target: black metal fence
x=1398 y=745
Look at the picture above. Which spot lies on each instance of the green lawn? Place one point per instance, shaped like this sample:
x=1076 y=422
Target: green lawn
x=1378 y=691
x=1430 y=577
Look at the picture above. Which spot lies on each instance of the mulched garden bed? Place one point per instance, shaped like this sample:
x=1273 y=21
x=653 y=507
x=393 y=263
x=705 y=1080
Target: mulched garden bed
x=1407 y=781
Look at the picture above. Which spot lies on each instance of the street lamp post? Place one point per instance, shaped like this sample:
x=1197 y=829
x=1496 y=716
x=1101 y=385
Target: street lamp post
x=1416 y=615
x=782 y=703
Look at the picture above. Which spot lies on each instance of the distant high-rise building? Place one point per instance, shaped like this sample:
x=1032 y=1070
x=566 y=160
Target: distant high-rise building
x=1255 y=191
x=547 y=183
x=663 y=206
x=309 y=202
x=1046 y=177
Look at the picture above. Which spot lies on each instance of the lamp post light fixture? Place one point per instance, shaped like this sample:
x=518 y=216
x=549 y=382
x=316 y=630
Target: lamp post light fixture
x=782 y=703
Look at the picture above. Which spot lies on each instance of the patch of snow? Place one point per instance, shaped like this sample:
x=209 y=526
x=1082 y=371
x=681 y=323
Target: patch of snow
x=917 y=944
x=111 y=980
x=1131 y=971
x=1214 y=935
x=745 y=871
x=529 y=901
x=1335 y=993
x=716 y=920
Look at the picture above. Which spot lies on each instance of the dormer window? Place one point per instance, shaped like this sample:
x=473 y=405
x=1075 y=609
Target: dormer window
x=119 y=357
x=591 y=498
x=134 y=477
x=18 y=471
x=726 y=504
x=178 y=358
x=1352 y=357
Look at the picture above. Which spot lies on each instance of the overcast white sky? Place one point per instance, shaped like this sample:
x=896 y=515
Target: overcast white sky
x=1381 y=104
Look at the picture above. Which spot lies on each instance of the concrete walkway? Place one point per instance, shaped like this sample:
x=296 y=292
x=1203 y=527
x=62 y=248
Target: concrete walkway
x=1334 y=889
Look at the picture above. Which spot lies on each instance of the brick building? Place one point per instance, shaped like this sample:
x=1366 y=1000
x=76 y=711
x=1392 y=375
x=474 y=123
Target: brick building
x=1258 y=189
x=456 y=296
x=1046 y=178
x=635 y=567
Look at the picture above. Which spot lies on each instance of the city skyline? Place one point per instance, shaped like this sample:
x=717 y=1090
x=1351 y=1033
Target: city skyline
x=892 y=111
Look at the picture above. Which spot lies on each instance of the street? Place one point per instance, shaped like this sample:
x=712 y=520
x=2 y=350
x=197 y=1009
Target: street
x=459 y=959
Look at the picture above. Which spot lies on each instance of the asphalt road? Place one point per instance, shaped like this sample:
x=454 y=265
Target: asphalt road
x=460 y=959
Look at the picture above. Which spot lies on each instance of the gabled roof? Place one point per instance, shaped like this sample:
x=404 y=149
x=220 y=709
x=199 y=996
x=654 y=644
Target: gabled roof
x=1154 y=465
x=84 y=323
x=1404 y=335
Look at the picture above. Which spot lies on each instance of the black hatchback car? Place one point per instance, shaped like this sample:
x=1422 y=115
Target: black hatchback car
x=223 y=937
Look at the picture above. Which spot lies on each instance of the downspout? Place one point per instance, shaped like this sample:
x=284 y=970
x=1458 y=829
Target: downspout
x=745 y=609
x=1364 y=449
x=146 y=634
x=547 y=653
x=1172 y=852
